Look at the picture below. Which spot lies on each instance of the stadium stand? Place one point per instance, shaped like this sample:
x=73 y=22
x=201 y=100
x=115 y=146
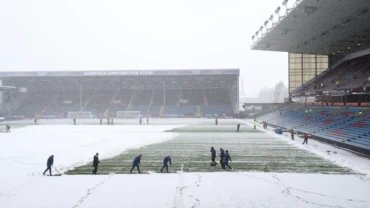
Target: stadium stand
x=329 y=69
x=352 y=74
x=163 y=93
x=344 y=125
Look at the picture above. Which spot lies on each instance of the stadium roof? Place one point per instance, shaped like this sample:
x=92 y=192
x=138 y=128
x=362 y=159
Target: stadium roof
x=117 y=73
x=318 y=27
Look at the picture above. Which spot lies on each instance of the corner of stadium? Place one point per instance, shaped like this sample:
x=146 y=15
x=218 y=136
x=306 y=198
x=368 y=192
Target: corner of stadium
x=329 y=70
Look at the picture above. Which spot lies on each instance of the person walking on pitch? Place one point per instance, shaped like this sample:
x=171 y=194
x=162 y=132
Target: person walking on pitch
x=305 y=139
x=96 y=163
x=165 y=163
x=49 y=164
x=227 y=159
x=213 y=155
x=222 y=156
x=136 y=163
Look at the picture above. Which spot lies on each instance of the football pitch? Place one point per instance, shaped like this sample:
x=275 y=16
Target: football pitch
x=250 y=150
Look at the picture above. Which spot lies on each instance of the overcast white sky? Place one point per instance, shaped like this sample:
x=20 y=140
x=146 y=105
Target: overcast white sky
x=147 y=34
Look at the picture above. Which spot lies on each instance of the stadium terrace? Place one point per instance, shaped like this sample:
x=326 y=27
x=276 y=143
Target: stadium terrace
x=102 y=94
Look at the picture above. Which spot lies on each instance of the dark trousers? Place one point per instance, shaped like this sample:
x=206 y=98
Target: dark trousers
x=237 y=130
x=292 y=137
x=222 y=163
x=95 y=169
x=165 y=166
x=305 y=141
x=227 y=164
x=49 y=168
x=213 y=158
x=254 y=127
x=133 y=166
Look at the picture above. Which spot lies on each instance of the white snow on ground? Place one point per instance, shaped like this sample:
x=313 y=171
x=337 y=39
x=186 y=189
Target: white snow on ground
x=23 y=152
x=23 y=155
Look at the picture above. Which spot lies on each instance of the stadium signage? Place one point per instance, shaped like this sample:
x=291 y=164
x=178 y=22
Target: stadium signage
x=117 y=73
x=42 y=73
x=310 y=93
x=339 y=92
x=326 y=92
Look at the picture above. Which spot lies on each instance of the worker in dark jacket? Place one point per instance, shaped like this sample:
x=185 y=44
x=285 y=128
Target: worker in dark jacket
x=136 y=163
x=216 y=121
x=165 y=163
x=7 y=128
x=238 y=128
x=222 y=157
x=74 y=121
x=213 y=153
x=227 y=159
x=49 y=163
x=96 y=163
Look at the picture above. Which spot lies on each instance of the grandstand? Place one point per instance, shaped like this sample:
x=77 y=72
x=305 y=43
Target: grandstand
x=158 y=93
x=329 y=64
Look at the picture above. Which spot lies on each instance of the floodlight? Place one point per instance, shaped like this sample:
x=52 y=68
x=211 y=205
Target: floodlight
x=277 y=11
x=285 y=2
x=271 y=17
x=266 y=23
x=253 y=37
x=261 y=28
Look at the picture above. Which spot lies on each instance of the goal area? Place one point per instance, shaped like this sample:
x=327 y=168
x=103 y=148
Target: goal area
x=79 y=115
x=128 y=114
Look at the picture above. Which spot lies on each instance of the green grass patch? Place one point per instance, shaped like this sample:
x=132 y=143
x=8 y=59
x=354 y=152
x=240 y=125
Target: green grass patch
x=250 y=150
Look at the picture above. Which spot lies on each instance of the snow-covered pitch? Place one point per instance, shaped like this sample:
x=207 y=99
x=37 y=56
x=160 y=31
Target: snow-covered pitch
x=24 y=151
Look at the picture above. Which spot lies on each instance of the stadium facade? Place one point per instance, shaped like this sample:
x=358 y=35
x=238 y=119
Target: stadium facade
x=328 y=42
x=102 y=94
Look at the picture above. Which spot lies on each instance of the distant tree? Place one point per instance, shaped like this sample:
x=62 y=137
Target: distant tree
x=280 y=92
